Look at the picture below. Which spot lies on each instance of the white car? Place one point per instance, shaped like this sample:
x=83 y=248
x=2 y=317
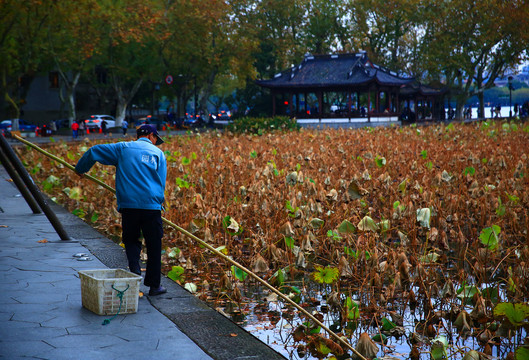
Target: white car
x=94 y=121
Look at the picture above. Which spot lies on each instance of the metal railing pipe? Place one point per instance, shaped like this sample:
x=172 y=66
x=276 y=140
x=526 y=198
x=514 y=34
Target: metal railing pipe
x=30 y=200
x=37 y=195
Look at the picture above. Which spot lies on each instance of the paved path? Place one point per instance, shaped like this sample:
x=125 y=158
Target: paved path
x=40 y=301
x=41 y=315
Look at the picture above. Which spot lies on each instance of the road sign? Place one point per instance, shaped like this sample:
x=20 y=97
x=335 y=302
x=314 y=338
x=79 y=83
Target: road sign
x=169 y=79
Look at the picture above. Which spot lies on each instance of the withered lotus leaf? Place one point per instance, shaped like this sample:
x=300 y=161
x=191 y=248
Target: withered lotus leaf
x=225 y=282
x=300 y=333
x=332 y=195
x=462 y=322
x=292 y=178
x=286 y=229
x=344 y=267
x=306 y=244
x=233 y=225
x=300 y=260
x=322 y=346
x=472 y=355
x=366 y=347
x=260 y=264
x=316 y=223
x=236 y=294
x=479 y=313
x=445 y=176
x=367 y=224
x=448 y=290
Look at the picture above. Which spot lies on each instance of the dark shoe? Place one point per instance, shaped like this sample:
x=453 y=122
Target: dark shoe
x=157 y=291
x=136 y=271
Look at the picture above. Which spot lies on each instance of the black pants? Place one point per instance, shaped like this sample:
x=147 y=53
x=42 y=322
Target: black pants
x=148 y=222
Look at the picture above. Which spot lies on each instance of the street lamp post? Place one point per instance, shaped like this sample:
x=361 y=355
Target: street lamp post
x=194 y=91
x=155 y=88
x=195 y=78
x=510 y=96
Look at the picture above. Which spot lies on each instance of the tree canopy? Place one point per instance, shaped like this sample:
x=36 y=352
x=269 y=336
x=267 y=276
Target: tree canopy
x=217 y=48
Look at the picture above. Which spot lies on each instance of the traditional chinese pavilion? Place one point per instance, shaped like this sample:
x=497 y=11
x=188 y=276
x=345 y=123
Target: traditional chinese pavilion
x=349 y=86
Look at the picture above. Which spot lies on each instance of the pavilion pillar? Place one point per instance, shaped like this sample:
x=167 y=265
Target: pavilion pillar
x=377 y=100
x=297 y=105
x=290 y=105
x=368 y=105
x=320 y=104
x=273 y=103
x=349 y=103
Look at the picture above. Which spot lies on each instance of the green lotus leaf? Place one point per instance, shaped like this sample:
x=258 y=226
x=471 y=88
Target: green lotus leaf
x=515 y=313
x=346 y=227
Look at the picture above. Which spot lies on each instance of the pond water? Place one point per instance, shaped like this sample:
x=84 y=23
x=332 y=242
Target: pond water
x=274 y=322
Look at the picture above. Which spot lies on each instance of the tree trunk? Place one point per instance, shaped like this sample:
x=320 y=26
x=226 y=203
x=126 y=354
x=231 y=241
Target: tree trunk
x=460 y=105
x=121 y=111
x=123 y=99
x=70 y=86
x=72 y=115
x=70 y=94
x=481 y=108
x=14 y=112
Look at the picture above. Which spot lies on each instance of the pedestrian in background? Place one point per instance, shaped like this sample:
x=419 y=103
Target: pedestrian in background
x=141 y=171
x=124 y=126
x=75 y=129
x=82 y=128
x=104 y=127
x=53 y=127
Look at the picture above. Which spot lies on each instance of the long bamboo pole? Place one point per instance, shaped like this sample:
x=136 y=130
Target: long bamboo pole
x=209 y=247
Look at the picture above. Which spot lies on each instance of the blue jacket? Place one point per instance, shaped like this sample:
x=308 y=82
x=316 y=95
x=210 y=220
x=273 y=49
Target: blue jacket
x=141 y=170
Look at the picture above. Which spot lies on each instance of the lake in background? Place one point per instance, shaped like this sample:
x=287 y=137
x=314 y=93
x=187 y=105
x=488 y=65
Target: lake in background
x=503 y=113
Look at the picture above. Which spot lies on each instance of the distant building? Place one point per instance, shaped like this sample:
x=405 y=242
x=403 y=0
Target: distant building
x=43 y=99
x=42 y=102
x=349 y=86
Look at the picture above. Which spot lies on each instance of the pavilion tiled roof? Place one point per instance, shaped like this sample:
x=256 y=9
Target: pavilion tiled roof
x=343 y=70
x=414 y=89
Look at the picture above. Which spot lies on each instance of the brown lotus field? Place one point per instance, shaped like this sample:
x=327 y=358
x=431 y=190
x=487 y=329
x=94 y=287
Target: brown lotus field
x=411 y=242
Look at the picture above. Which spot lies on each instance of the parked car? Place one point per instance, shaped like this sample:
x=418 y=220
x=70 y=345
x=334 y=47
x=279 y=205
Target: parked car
x=62 y=123
x=94 y=121
x=7 y=125
x=224 y=115
x=194 y=121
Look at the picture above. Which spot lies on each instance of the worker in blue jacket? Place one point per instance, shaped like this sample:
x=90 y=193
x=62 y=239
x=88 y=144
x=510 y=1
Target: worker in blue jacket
x=141 y=171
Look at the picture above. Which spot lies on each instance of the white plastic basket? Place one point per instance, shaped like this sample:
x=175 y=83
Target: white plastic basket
x=99 y=297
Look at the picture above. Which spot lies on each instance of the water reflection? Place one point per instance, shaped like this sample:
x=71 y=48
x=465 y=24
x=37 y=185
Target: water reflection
x=274 y=322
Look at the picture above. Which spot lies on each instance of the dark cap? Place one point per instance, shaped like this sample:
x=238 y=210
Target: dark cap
x=147 y=129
